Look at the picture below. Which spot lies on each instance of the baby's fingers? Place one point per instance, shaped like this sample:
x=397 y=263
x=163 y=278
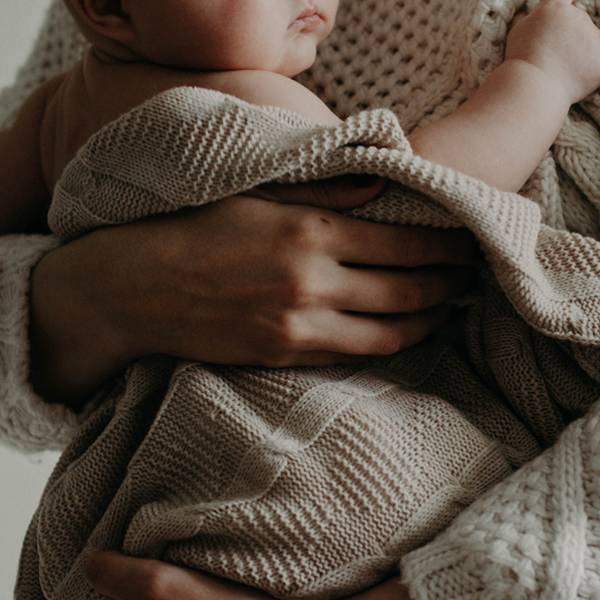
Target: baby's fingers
x=557 y=3
x=520 y=16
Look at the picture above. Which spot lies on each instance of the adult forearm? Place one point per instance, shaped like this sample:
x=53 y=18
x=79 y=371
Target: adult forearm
x=26 y=421
x=73 y=349
x=502 y=132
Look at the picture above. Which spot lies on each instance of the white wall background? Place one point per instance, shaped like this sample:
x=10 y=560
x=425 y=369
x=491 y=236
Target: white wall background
x=21 y=478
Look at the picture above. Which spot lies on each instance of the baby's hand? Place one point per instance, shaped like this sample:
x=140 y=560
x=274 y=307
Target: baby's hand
x=562 y=41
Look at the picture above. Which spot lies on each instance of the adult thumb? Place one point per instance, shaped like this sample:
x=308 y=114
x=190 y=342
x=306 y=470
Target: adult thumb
x=338 y=193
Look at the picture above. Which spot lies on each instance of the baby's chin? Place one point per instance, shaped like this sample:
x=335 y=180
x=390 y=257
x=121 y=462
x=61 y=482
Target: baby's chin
x=301 y=59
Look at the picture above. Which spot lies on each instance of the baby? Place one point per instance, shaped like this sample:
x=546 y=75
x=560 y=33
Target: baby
x=251 y=49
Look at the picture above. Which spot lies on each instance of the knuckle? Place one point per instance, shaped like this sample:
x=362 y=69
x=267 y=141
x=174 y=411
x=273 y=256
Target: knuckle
x=308 y=231
x=297 y=290
x=285 y=336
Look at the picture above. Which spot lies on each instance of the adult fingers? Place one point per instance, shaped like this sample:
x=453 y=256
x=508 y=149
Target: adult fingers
x=364 y=243
x=318 y=359
x=337 y=193
x=380 y=291
x=120 y=577
x=369 y=335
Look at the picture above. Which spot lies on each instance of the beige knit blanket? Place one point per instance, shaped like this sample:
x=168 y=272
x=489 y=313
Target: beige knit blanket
x=314 y=483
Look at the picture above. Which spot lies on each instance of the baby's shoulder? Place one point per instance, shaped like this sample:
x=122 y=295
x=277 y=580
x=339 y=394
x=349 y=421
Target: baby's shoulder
x=24 y=135
x=271 y=89
x=266 y=88
x=123 y=86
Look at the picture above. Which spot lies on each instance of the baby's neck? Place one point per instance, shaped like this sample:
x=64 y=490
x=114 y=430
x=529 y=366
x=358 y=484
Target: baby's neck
x=113 y=55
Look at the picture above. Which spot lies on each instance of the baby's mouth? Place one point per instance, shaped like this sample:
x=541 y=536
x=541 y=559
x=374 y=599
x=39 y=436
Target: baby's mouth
x=308 y=20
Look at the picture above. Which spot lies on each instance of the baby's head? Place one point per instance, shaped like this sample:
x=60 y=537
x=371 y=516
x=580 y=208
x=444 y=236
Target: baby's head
x=209 y=35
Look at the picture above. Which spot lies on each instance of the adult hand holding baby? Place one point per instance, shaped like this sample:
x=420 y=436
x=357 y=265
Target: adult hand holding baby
x=124 y=578
x=242 y=281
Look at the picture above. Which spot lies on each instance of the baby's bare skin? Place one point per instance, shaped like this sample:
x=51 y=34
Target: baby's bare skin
x=29 y=167
x=499 y=135
x=64 y=113
x=98 y=91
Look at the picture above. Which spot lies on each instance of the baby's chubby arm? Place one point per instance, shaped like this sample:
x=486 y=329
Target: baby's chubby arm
x=503 y=131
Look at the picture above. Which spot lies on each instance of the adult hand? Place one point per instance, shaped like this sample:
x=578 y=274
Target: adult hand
x=242 y=281
x=121 y=577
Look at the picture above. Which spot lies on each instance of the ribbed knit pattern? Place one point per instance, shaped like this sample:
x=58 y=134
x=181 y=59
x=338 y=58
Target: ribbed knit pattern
x=313 y=483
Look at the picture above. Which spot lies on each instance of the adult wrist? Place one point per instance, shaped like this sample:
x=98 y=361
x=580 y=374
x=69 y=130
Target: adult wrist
x=26 y=420
x=74 y=349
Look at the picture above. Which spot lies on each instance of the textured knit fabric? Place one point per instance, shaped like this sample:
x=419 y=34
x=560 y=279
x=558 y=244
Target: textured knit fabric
x=26 y=421
x=313 y=482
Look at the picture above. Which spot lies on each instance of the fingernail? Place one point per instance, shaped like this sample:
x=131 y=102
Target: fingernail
x=365 y=181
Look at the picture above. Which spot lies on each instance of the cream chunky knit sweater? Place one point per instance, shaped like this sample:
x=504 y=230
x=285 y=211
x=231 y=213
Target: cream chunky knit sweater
x=315 y=482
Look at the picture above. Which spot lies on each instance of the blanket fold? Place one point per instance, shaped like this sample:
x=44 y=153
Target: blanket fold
x=313 y=483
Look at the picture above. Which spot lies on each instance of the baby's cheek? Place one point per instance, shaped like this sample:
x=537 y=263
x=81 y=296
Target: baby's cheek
x=258 y=47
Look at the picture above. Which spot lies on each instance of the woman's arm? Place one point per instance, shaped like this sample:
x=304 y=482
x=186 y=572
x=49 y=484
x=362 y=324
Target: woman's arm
x=26 y=421
x=285 y=278
x=121 y=577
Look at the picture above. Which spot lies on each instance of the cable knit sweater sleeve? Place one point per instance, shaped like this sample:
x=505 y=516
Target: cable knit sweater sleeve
x=534 y=535
x=26 y=421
